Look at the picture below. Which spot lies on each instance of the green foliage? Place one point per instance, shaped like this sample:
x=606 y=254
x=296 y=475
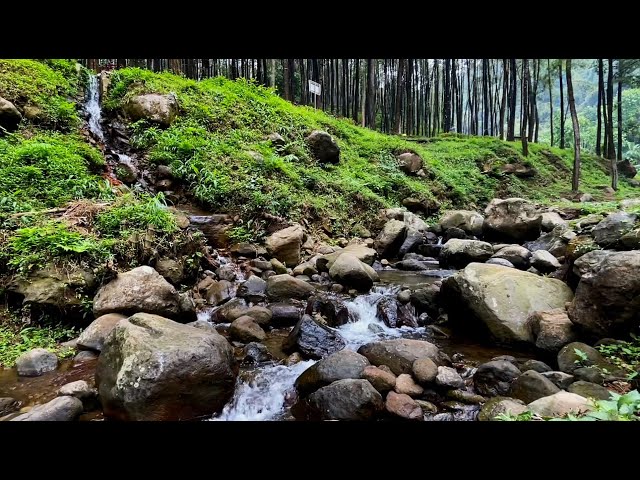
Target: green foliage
x=521 y=417
x=625 y=355
x=47 y=170
x=14 y=343
x=583 y=358
x=130 y=213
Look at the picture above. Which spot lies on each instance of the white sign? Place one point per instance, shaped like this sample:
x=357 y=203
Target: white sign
x=314 y=87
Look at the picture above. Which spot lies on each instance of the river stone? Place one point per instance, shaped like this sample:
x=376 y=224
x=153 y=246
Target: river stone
x=285 y=314
x=467 y=220
x=567 y=357
x=162 y=109
x=394 y=314
x=560 y=379
x=560 y=404
x=609 y=231
x=347 y=399
x=427 y=299
x=512 y=219
x=227 y=272
x=498 y=405
x=500 y=261
x=285 y=244
x=79 y=389
x=495 y=377
x=405 y=384
x=424 y=370
x=227 y=313
x=403 y=406
x=255 y=352
x=535 y=365
x=9 y=405
x=169 y=268
x=544 y=262
x=245 y=329
x=139 y=290
x=35 y=362
x=589 y=390
x=60 y=409
x=459 y=253
x=92 y=337
x=253 y=289
x=502 y=299
x=465 y=396
x=323 y=147
x=331 y=307
x=517 y=255
x=152 y=368
x=381 y=380
x=352 y=273
x=84 y=356
x=337 y=366
x=313 y=339
x=449 y=377
x=284 y=287
x=390 y=239
x=399 y=354
x=531 y=386
x=261 y=315
x=551 y=220
x=203 y=325
x=551 y=329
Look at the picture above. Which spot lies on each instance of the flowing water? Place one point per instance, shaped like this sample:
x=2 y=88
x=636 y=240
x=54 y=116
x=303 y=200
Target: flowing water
x=92 y=107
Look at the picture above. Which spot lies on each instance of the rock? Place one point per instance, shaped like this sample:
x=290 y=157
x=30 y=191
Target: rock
x=261 y=315
x=500 y=261
x=381 y=380
x=9 y=405
x=469 y=221
x=92 y=337
x=406 y=385
x=332 y=308
x=607 y=300
x=409 y=162
x=567 y=357
x=513 y=219
x=590 y=374
x=404 y=296
x=347 y=399
x=609 y=231
x=248 y=250
x=285 y=314
x=394 y=315
x=170 y=269
x=32 y=113
x=449 y=377
x=626 y=168
x=220 y=292
x=162 y=109
x=35 y=362
x=203 y=325
x=399 y=354
x=585 y=197
x=256 y=353
x=285 y=244
x=427 y=300
x=403 y=406
x=313 y=339
x=560 y=379
x=253 y=289
x=305 y=268
x=589 y=390
x=390 y=239
x=495 y=377
x=10 y=117
x=417 y=205
x=424 y=370
x=551 y=220
x=294 y=358
x=501 y=405
x=152 y=368
x=502 y=298
x=413 y=265
x=353 y=273
x=276 y=140
x=261 y=263
x=630 y=240
x=413 y=239
x=544 y=262
x=555 y=242
x=60 y=409
x=227 y=313
x=629 y=203
x=84 y=356
x=517 y=255
x=245 y=329
x=560 y=404
x=551 y=329
x=323 y=147
x=278 y=266
x=284 y=287
x=361 y=252
x=465 y=397
x=459 y=253
x=337 y=366
x=535 y=365
x=81 y=390
x=454 y=233
x=531 y=386
x=227 y=273
x=139 y=290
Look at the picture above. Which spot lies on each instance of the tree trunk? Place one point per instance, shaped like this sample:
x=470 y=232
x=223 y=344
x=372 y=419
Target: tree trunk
x=619 y=112
x=485 y=97
x=370 y=101
x=561 y=105
x=513 y=91
x=398 y=99
x=503 y=104
x=611 y=153
x=286 y=79
x=575 y=183
x=525 y=106
x=175 y=65
x=599 y=114
x=356 y=91
x=550 y=100
x=272 y=72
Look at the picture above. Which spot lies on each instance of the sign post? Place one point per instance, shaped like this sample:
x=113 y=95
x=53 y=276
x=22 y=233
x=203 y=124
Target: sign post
x=316 y=89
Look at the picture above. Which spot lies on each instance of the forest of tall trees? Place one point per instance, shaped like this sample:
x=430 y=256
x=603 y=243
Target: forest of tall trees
x=425 y=97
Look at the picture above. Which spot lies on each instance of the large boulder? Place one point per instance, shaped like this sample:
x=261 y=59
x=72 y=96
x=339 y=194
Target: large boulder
x=467 y=220
x=609 y=231
x=607 y=300
x=323 y=147
x=626 y=168
x=285 y=244
x=139 y=290
x=555 y=241
x=544 y=262
x=531 y=386
x=353 y=273
x=347 y=399
x=361 y=252
x=559 y=404
x=169 y=268
x=227 y=313
x=501 y=405
x=551 y=329
x=284 y=287
x=569 y=361
x=399 y=354
x=390 y=239
x=589 y=390
x=60 y=409
x=458 y=253
x=551 y=220
x=502 y=298
x=9 y=116
x=427 y=300
x=312 y=339
x=220 y=292
x=517 y=255
x=495 y=377
x=337 y=366
x=410 y=162
x=512 y=219
x=35 y=362
x=92 y=337
x=286 y=314
x=162 y=109
x=152 y=368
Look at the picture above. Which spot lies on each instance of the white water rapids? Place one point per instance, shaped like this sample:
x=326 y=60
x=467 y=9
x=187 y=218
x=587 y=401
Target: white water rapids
x=92 y=106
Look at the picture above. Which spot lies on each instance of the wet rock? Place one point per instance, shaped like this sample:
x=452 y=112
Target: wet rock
x=332 y=308
x=413 y=239
x=554 y=242
x=352 y=273
x=590 y=374
x=551 y=220
x=501 y=405
x=35 y=362
x=531 y=386
x=551 y=329
x=495 y=377
x=458 y=253
x=544 y=262
x=394 y=315
x=256 y=353
x=92 y=337
x=427 y=300
x=285 y=244
x=139 y=290
x=294 y=358
x=170 y=269
x=560 y=379
x=413 y=265
x=162 y=109
x=347 y=399
x=424 y=370
x=323 y=147
x=535 y=365
x=261 y=315
x=313 y=339
x=337 y=366
x=589 y=390
x=60 y=409
x=306 y=268
x=399 y=354
x=517 y=255
x=245 y=329
x=500 y=261
x=465 y=397
x=261 y=263
x=512 y=219
x=227 y=272
x=84 y=356
x=253 y=289
x=285 y=314
x=152 y=368
x=406 y=385
x=203 y=325
x=284 y=287
x=467 y=220
x=9 y=405
x=569 y=361
x=234 y=308
x=404 y=296
x=381 y=380
x=81 y=390
x=449 y=377
x=409 y=162
x=559 y=404
x=403 y=406
x=609 y=231
x=220 y=292
x=454 y=232
x=390 y=239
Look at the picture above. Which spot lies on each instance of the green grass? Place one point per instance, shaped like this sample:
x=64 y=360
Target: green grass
x=14 y=343
x=129 y=214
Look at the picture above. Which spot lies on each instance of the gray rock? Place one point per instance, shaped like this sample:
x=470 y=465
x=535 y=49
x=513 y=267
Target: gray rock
x=404 y=296
x=609 y=231
x=92 y=337
x=551 y=329
x=589 y=390
x=544 y=262
x=347 y=399
x=449 y=377
x=220 y=292
x=285 y=314
x=60 y=409
x=284 y=287
x=500 y=261
x=517 y=255
x=512 y=219
x=162 y=109
x=560 y=404
x=227 y=272
x=245 y=329
x=393 y=314
x=285 y=244
x=313 y=339
x=465 y=397
x=84 y=356
x=495 y=377
x=9 y=405
x=410 y=162
x=323 y=147
x=399 y=354
x=424 y=370
x=406 y=385
x=256 y=353
x=403 y=406
x=551 y=220
x=467 y=220
x=535 y=365
x=560 y=379
x=348 y=270
x=390 y=239
x=501 y=405
x=261 y=315
x=337 y=366
x=10 y=117
x=427 y=300
x=381 y=380
x=170 y=269
x=234 y=308
x=458 y=253
x=531 y=386
x=203 y=325
x=331 y=307
x=35 y=362
x=569 y=361
x=253 y=289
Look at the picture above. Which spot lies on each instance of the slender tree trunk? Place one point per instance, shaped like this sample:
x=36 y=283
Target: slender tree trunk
x=503 y=104
x=286 y=79
x=525 y=106
x=485 y=97
x=575 y=183
x=356 y=91
x=398 y=100
x=550 y=100
x=447 y=96
x=600 y=95
x=370 y=102
x=272 y=72
x=619 y=113
x=513 y=91
x=562 y=117
x=611 y=153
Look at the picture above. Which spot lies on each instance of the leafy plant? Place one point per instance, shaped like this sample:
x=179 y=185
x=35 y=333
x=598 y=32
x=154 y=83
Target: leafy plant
x=583 y=358
x=134 y=213
x=624 y=354
x=15 y=343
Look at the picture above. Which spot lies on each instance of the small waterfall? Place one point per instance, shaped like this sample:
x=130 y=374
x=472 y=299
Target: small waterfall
x=263 y=397
x=92 y=106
